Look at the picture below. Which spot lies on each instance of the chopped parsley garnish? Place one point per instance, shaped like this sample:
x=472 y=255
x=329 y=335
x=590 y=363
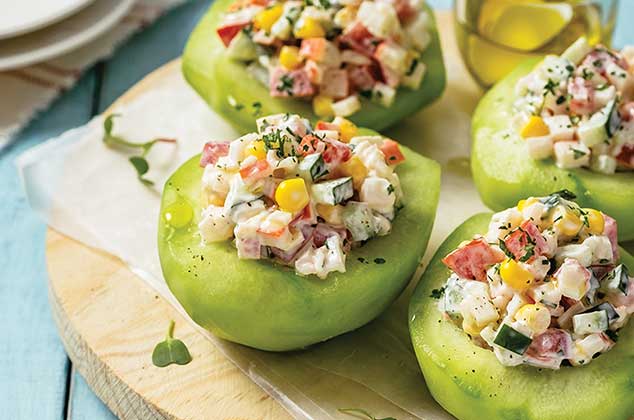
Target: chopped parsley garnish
x=549 y=87
x=561 y=100
x=437 y=293
x=578 y=154
x=390 y=189
x=257 y=108
x=587 y=74
x=285 y=84
x=504 y=249
x=379 y=260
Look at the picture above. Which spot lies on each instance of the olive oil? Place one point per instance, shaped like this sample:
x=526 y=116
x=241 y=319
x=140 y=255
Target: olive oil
x=494 y=36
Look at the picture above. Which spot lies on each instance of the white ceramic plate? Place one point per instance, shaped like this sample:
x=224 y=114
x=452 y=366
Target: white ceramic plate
x=22 y=16
x=64 y=36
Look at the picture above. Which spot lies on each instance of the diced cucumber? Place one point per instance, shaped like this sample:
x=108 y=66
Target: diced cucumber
x=590 y=322
x=512 y=340
x=312 y=167
x=609 y=309
x=359 y=220
x=453 y=296
x=242 y=48
x=333 y=192
x=617 y=280
x=577 y=51
x=601 y=126
x=591 y=296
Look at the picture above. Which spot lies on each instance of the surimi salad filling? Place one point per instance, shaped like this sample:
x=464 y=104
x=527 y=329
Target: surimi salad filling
x=578 y=108
x=543 y=286
x=330 y=51
x=300 y=195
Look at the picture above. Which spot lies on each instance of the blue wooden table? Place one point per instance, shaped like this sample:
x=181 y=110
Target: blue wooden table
x=37 y=381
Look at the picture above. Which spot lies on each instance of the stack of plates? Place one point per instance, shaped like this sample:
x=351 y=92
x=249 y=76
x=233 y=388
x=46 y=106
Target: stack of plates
x=32 y=31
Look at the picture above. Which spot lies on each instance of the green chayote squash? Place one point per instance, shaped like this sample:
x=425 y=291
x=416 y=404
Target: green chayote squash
x=266 y=305
x=504 y=173
x=232 y=91
x=470 y=382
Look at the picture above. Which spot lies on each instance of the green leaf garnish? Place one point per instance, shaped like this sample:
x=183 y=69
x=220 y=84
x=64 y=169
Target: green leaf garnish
x=362 y=414
x=140 y=164
x=172 y=350
x=437 y=293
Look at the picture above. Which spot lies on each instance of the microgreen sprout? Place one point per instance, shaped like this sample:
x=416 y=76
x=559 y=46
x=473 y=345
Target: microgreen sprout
x=172 y=350
x=140 y=162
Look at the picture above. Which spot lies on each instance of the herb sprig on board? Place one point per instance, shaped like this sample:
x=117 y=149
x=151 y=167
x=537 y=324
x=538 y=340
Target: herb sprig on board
x=172 y=350
x=139 y=162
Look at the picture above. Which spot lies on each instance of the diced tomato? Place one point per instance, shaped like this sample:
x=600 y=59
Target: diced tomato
x=213 y=151
x=626 y=156
x=323 y=125
x=313 y=49
x=361 y=77
x=336 y=84
x=229 y=31
x=294 y=83
x=310 y=144
x=257 y=170
x=336 y=152
x=392 y=152
x=582 y=91
x=359 y=39
x=610 y=230
x=527 y=239
x=472 y=260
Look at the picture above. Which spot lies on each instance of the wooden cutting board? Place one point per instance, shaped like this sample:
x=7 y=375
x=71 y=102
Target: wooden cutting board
x=110 y=320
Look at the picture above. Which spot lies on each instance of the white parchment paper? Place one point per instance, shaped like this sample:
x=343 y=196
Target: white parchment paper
x=89 y=192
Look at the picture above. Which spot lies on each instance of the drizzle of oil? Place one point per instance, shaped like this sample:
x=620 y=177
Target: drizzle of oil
x=459 y=166
x=179 y=214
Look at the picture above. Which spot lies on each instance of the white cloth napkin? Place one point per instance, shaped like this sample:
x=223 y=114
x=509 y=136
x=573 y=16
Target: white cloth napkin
x=31 y=89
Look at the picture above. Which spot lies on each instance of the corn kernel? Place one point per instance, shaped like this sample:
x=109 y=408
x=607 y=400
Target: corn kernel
x=535 y=127
x=291 y=195
x=256 y=148
x=267 y=17
x=310 y=28
x=515 y=275
x=535 y=316
x=355 y=168
x=290 y=58
x=566 y=222
x=347 y=129
x=595 y=221
x=522 y=204
x=322 y=106
x=331 y=214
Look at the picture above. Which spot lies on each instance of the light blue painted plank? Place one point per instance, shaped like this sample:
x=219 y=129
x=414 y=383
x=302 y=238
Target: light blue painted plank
x=33 y=365
x=84 y=404
x=148 y=50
